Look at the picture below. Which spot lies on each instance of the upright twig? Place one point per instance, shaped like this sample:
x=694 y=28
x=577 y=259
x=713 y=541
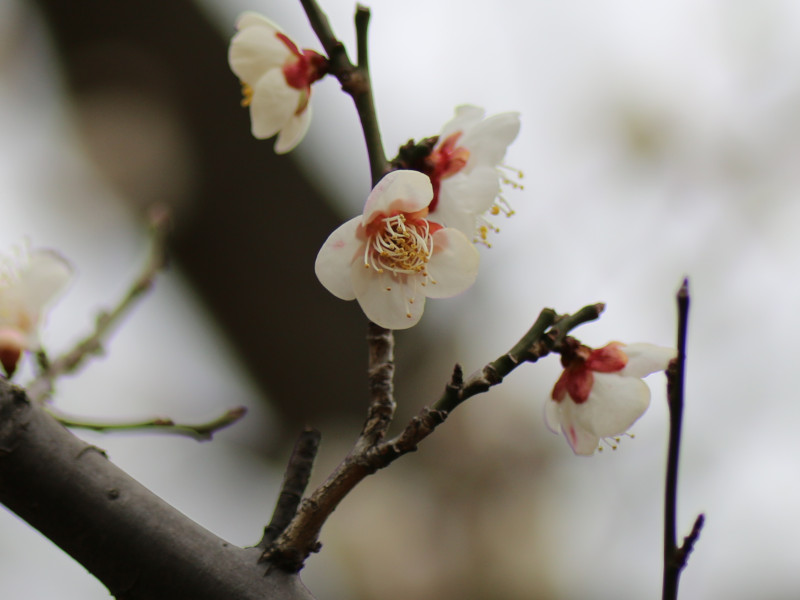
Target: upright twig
x=675 y=556
x=295 y=480
x=355 y=79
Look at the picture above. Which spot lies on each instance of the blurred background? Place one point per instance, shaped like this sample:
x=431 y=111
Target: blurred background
x=659 y=140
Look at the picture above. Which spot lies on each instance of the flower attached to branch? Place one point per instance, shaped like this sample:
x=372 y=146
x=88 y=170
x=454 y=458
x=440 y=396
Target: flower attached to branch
x=392 y=257
x=26 y=289
x=276 y=79
x=600 y=393
x=465 y=167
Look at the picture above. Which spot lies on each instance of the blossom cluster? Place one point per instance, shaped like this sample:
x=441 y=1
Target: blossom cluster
x=416 y=236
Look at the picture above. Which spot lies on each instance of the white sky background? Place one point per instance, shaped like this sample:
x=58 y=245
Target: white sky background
x=660 y=139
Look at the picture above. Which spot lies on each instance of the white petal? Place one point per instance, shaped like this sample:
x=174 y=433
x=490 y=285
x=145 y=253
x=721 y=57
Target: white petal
x=644 y=359
x=552 y=415
x=338 y=253
x=43 y=279
x=253 y=19
x=453 y=266
x=464 y=196
x=255 y=50
x=393 y=302
x=488 y=140
x=466 y=117
x=293 y=132
x=404 y=191
x=273 y=105
x=613 y=405
x=582 y=441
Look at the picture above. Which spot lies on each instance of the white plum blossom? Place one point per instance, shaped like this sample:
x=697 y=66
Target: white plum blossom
x=276 y=79
x=600 y=393
x=465 y=167
x=392 y=257
x=27 y=286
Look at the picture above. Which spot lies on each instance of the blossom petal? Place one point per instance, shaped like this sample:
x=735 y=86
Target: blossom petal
x=552 y=415
x=582 y=441
x=293 y=132
x=404 y=191
x=45 y=277
x=465 y=196
x=255 y=49
x=614 y=404
x=488 y=140
x=391 y=301
x=453 y=266
x=273 y=104
x=337 y=255
x=644 y=359
x=466 y=116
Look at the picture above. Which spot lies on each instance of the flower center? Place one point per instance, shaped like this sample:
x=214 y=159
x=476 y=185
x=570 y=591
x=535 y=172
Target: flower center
x=401 y=246
x=445 y=161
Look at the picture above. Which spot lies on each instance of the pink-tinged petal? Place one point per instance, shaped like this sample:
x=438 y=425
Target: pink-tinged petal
x=465 y=117
x=614 y=404
x=393 y=302
x=43 y=279
x=253 y=19
x=340 y=251
x=453 y=266
x=582 y=441
x=608 y=359
x=488 y=140
x=644 y=359
x=273 y=105
x=403 y=191
x=293 y=132
x=256 y=49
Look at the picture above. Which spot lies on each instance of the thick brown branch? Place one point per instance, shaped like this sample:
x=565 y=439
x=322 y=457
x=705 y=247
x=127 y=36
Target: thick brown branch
x=131 y=540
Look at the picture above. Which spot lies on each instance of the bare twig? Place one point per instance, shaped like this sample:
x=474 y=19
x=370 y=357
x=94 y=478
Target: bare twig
x=106 y=322
x=295 y=480
x=300 y=538
x=675 y=557
x=355 y=79
x=201 y=431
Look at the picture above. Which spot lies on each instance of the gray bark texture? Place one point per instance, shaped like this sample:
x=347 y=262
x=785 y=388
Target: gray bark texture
x=136 y=544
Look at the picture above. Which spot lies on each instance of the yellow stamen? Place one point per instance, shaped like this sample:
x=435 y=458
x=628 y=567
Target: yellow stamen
x=247 y=93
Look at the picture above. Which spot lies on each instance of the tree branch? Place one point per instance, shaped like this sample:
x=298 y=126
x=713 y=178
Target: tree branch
x=355 y=80
x=675 y=557
x=136 y=544
x=301 y=537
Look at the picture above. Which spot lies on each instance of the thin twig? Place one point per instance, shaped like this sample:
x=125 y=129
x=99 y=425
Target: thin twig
x=295 y=480
x=675 y=557
x=200 y=431
x=355 y=79
x=106 y=322
x=300 y=538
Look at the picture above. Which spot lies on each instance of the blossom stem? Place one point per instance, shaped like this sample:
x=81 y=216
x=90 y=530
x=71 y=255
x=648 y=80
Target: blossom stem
x=200 y=431
x=355 y=79
x=675 y=556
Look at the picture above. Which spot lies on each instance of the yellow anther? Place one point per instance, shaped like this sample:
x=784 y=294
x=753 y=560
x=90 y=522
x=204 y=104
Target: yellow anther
x=247 y=93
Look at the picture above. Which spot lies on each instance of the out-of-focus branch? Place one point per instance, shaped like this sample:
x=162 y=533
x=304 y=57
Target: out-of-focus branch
x=136 y=544
x=300 y=538
x=106 y=322
x=675 y=557
x=201 y=431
